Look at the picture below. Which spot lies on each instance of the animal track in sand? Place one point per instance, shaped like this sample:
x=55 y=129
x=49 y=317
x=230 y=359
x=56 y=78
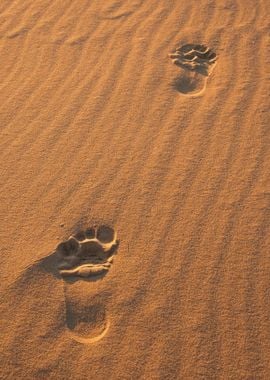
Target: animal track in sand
x=88 y=255
x=198 y=62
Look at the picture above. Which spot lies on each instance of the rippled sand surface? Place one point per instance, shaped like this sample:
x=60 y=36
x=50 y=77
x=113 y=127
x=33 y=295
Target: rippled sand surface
x=134 y=148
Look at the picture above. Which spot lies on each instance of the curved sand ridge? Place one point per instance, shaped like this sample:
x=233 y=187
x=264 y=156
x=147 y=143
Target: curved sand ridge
x=93 y=130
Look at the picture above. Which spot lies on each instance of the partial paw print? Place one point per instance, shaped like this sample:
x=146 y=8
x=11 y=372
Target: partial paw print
x=88 y=253
x=199 y=60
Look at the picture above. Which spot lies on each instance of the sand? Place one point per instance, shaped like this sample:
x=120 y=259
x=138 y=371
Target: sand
x=100 y=126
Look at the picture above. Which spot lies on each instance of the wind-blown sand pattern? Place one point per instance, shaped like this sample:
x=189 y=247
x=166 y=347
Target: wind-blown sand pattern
x=96 y=129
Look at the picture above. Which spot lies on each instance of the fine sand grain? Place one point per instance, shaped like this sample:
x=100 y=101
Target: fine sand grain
x=135 y=189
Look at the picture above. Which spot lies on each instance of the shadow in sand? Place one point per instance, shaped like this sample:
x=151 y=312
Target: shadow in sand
x=185 y=84
x=50 y=265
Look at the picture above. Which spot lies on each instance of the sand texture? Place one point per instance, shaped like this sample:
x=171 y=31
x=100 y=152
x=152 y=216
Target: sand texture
x=135 y=189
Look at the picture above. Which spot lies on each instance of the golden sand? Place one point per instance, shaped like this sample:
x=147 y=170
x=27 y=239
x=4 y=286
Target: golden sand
x=117 y=113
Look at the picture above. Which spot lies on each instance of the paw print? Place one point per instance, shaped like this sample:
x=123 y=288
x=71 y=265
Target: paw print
x=199 y=58
x=87 y=253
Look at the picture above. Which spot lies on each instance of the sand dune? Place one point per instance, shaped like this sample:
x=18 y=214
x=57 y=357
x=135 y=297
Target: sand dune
x=108 y=119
